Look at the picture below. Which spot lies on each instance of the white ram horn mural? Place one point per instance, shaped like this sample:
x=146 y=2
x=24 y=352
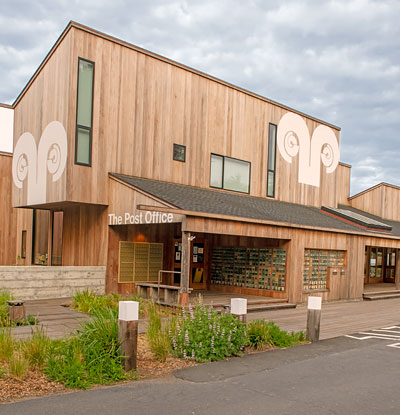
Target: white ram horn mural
x=293 y=138
x=32 y=164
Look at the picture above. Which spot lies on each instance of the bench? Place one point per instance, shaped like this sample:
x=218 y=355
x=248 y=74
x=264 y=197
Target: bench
x=171 y=292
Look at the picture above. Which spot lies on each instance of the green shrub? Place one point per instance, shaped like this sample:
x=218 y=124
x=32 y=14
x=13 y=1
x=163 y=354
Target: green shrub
x=101 y=347
x=260 y=333
x=7 y=344
x=204 y=335
x=91 y=357
x=89 y=302
x=65 y=364
x=5 y=296
x=36 y=349
x=18 y=366
x=158 y=337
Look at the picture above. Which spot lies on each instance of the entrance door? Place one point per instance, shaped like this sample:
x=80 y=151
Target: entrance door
x=390 y=265
x=374 y=265
x=198 y=263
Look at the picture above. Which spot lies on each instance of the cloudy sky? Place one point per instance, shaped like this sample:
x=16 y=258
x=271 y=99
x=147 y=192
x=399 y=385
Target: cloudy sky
x=336 y=60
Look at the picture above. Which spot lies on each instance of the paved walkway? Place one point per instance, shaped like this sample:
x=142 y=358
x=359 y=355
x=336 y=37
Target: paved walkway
x=337 y=319
x=54 y=316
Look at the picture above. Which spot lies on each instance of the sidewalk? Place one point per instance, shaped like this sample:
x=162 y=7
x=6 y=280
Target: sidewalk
x=54 y=316
x=337 y=319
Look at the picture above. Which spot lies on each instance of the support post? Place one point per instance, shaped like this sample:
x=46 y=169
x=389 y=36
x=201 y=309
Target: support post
x=128 y=322
x=239 y=308
x=313 y=318
x=397 y=271
x=185 y=276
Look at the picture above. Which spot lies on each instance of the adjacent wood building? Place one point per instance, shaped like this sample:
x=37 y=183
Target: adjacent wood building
x=129 y=160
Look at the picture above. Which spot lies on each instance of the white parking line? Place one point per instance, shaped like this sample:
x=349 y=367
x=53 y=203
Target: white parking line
x=369 y=337
x=390 y=331
x=386 y=333
x=396 y=345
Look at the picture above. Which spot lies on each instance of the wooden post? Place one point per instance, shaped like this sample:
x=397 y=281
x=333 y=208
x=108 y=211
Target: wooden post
x=185 y=276
x=313 y=318
x=397 y=271
x=128 y=322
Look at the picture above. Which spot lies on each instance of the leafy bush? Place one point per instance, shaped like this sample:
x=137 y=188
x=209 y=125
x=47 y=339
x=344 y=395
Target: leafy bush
x=261 y=333
x=204 y=335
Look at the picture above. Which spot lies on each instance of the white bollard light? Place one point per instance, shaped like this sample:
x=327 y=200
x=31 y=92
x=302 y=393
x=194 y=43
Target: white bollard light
x=128 y=310
x=313 y=317
x=314 y=303
x=128 y=324
x=239 y=308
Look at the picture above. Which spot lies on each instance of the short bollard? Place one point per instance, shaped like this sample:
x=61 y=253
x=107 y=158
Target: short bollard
x=16 y=310
x=313 y=318
x=128 y=321
x=239 y=308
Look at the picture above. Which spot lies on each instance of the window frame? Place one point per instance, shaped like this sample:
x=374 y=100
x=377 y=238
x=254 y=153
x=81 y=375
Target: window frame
x=269 y=170
x=83 y=127
x=23 y=243
x=176 y=145
x=223 y=173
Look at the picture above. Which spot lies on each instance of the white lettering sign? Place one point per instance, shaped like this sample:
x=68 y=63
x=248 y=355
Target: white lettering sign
x=140 y=218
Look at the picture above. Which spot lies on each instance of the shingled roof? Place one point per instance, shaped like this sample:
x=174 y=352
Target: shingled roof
x=225 y=203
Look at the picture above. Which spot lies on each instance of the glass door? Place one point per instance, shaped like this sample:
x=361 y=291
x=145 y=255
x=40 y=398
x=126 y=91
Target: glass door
x=375 y=265
x=390 y=265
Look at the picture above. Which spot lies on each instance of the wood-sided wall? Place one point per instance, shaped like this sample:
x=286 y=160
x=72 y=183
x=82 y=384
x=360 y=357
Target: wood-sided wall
x=8 y=215
x=47 y=99
x=382 y=200
x=142 y=105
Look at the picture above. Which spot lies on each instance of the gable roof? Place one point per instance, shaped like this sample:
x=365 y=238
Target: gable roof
x=208 y=201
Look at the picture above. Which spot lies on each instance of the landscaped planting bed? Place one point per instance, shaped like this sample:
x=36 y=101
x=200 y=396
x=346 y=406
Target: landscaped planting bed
x=92 y=357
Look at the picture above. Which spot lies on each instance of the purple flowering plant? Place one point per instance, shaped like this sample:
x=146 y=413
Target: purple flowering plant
x=202 y=334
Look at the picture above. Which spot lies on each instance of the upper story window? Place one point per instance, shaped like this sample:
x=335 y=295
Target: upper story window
x=84 y=113
x=271 y=160
x=230 y=174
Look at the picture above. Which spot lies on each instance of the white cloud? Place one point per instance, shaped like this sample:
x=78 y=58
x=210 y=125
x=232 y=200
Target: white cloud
x=337 y=60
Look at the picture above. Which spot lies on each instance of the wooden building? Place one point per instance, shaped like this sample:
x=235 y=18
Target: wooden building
x=129 y=160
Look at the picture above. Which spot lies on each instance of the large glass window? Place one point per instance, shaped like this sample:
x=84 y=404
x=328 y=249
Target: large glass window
x=230 y=174
x=271 y=160
x=84 y=113
x=40 y=237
